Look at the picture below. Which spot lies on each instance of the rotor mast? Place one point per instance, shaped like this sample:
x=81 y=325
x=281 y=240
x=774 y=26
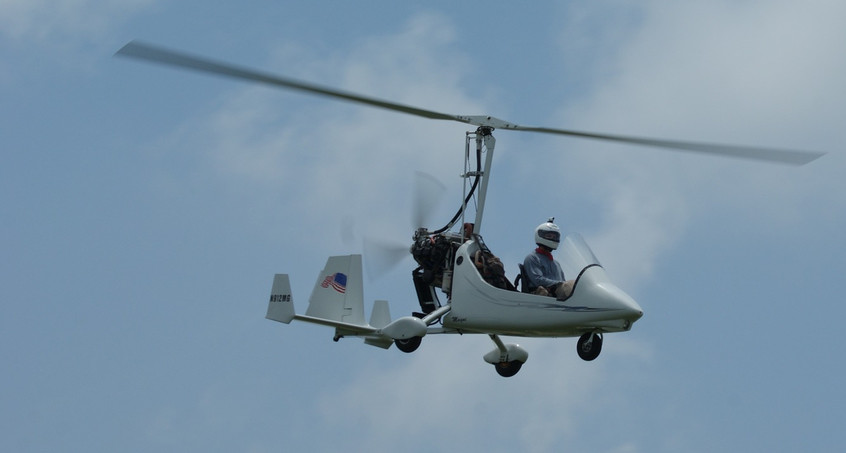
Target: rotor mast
x=484 y=134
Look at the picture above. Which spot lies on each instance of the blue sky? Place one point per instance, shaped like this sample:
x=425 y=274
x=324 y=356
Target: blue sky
x=146 y=209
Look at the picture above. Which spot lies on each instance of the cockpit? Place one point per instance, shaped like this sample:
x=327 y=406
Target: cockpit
x=574 y=255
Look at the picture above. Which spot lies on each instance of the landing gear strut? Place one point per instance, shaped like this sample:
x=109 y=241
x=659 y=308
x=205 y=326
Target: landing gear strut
x=589 y=346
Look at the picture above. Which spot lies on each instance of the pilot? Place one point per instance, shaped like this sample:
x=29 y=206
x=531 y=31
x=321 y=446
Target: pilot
x=542 y=273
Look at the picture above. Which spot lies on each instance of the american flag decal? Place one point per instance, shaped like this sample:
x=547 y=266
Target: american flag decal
x=337 y=281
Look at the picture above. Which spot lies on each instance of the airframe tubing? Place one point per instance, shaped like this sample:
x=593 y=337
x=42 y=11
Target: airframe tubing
x=433 y=316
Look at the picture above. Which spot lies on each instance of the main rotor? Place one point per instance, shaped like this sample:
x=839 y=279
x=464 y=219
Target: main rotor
x=156 y=54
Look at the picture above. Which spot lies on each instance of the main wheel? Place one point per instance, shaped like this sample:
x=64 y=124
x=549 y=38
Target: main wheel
x=589 y=346
x=409 y=344
x=508 y=369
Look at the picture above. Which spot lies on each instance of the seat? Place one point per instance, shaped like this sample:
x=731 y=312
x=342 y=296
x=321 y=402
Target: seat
x=496 y=277
x=520 y=280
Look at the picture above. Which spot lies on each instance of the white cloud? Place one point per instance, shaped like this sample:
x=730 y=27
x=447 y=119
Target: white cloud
x=746 y=73
x=358 y=162
x=676 y=74
x=333 y=163
x=41 y=20
x=446 y=388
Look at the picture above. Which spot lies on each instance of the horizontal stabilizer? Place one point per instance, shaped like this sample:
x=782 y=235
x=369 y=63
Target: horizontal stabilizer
x=380 y=341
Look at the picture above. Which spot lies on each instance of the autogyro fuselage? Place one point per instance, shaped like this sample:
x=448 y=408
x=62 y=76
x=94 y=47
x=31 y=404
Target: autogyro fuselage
x=449 y=261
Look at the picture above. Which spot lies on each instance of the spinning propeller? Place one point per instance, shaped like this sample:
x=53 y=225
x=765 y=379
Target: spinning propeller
x=428 y=192
x=384 y=255
x=161 y=55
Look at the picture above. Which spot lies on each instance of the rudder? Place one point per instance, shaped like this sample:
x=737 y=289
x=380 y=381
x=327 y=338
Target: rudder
x=338 y=294
x=281 y=305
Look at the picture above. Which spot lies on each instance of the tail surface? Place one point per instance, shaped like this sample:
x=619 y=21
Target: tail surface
x=338 y=294
x=337 y=300
x=281 y=306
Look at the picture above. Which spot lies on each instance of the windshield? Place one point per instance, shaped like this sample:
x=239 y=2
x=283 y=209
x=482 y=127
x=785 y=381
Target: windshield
x=575 y=255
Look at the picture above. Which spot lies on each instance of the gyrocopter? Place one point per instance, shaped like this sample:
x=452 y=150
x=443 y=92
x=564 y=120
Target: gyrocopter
x=447 y=257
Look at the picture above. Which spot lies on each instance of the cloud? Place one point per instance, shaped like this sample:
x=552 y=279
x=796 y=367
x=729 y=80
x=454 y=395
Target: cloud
x=41 y=20
x=327 y=163
x=682 y=73
x=446 y=388
x=677 y=71
x=718 y=71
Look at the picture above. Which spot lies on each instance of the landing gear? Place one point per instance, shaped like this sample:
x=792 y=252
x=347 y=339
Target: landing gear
x=409 y=344
x=589 y=346
x=507 y=359
x=508 y=369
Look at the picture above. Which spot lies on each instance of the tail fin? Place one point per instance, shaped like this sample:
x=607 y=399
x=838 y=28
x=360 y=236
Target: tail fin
x=338 y=293
x=281 y=306
x=381 y=314
x=379 y=318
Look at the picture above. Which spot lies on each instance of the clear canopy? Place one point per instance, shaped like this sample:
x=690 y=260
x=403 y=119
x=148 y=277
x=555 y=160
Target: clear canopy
x=575 y=255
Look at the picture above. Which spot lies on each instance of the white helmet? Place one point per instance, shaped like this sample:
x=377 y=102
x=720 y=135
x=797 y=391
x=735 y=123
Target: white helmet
x=548 y=234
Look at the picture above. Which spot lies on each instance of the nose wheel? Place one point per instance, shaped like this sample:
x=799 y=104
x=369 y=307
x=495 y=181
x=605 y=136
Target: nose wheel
x=589 y=346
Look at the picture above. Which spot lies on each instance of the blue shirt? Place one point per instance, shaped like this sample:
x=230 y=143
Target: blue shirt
x=541 y=269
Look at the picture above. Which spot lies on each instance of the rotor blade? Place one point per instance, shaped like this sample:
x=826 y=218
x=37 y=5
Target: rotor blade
x=428 y=192
x=784 y=156
x=161 y=55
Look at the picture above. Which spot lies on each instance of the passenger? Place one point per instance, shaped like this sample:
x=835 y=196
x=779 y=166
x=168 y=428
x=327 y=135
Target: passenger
x=468 y=230
x=492 y=269
x=542 y=273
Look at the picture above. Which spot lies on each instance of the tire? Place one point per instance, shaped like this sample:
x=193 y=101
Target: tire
x=589 y=351
x=508 y=369
x=408 y=345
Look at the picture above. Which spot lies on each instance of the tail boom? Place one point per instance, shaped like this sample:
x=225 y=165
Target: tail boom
x=337 y=301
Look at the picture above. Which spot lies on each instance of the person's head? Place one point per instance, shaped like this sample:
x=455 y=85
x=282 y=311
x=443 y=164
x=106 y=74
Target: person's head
x=548 y=235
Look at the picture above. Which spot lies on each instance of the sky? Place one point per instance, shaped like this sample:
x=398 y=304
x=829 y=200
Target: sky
x=145 y=210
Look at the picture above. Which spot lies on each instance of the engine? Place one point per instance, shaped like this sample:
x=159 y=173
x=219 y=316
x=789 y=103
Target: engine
x=432 y=254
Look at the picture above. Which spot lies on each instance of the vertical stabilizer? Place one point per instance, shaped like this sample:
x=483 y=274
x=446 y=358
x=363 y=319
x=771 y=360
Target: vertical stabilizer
x=338 y=293
x=381 y=314
x=281 y=306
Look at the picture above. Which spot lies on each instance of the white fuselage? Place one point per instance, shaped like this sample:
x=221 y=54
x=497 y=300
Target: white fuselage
x=596 y=305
